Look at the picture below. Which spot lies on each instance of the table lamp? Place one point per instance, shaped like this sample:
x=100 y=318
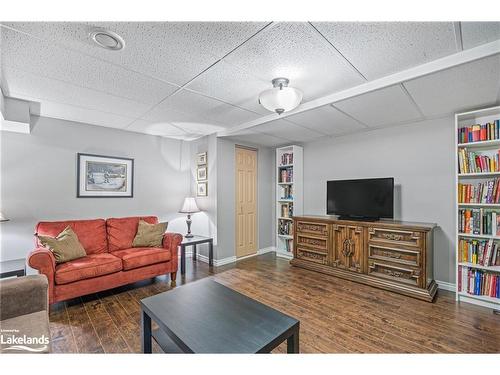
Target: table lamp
x=189 y=207
x=3 y=217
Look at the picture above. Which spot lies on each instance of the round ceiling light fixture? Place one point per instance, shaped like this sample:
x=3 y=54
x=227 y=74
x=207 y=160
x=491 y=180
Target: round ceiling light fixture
x=107 y=39
x=280 y=98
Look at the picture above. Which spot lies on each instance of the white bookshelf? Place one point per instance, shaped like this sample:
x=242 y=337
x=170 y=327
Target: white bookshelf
x=481 y=116
x=293 y=203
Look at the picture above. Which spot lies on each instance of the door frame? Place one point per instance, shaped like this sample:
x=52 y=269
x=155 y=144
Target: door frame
x=250 y=148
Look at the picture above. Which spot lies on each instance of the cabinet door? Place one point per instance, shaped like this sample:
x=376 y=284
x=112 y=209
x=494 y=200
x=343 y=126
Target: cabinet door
x=348 y=247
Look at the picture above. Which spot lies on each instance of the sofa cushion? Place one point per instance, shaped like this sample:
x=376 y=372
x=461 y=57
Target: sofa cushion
x=85 y=268
x=142 y=256
x=91 y=233
x=65 y=246
x=122 y=231
x=34 y=325
x=149 y=235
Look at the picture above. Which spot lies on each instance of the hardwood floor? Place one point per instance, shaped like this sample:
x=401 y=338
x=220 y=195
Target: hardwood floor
x=336 y=316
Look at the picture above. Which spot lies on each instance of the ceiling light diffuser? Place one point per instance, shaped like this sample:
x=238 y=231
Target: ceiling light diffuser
x=280 y=98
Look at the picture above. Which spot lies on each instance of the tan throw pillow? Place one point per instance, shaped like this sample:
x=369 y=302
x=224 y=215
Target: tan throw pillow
x=149 y=235
x=65 y=246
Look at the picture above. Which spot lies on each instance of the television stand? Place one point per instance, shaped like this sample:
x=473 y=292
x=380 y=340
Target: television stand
x=387 y=254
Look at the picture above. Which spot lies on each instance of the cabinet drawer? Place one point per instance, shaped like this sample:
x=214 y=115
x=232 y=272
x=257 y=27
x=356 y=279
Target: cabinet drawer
x=310 y=255
x=410 y=256
x=315 y=243
x=316 y=229
x=404 y=275
x=394 y=236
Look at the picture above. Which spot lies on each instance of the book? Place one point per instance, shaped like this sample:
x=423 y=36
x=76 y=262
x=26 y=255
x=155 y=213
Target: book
x=478 y=282
x=479 y=132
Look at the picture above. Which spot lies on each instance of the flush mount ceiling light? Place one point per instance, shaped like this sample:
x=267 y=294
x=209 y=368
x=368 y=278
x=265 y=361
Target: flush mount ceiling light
x=107 y=39
x=280 y=98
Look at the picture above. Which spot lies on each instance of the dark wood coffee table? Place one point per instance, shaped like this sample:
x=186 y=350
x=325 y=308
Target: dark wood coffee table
x=207 y=317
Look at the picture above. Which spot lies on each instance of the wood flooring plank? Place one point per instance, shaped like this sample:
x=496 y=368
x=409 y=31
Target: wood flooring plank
x=336 y=315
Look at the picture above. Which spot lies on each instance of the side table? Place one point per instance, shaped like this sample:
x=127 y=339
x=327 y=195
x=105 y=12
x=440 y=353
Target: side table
x=193 y=241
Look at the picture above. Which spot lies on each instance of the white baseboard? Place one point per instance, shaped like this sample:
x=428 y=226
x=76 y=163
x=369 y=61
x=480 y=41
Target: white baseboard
x=446 y=286
x=228 y=260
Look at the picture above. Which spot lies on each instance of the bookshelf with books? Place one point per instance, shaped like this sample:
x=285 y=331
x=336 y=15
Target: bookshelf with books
x=477 y=210
x=288 y=196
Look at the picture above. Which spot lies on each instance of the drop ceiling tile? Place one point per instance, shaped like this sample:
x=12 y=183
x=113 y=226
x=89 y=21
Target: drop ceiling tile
x=460 y=88
x=378 y=49
x=327 y=120
x=78 y=114
x=232 y=85
x=172 y=51
x=163 y=129
x=208 y=109
x=477 y=33
x=252 y=137
x=21 y=84
x=295 y=51
x=386 y=106
x=49 y=60
x=287 y=130
x=189 y=121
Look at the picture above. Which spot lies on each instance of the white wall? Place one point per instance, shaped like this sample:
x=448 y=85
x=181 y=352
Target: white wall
x=38 y=178
x=419 y=156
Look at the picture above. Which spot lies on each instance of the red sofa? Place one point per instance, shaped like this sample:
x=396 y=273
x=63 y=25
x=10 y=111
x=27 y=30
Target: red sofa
x=111 y=260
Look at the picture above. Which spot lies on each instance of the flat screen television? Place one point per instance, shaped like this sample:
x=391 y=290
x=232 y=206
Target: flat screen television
x=364 y=199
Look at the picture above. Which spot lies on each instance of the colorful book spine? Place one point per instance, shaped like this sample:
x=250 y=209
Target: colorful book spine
x=478 y=162
x=478 y=282
x=478 y=133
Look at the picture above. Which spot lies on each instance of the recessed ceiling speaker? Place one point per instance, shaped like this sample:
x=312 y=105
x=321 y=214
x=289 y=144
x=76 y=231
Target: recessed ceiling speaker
x=107 y=39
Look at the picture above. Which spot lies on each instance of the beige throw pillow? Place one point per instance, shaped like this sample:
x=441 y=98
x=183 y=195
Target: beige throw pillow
x=65 y=246
x=149 y=235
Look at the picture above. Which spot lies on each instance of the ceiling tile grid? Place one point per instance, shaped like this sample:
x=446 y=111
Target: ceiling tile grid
x=171 y=51
x=50 y=61
x=295 y=50
x=231 y=84
x=22 y=84
x=460 y=88
x=377 y=49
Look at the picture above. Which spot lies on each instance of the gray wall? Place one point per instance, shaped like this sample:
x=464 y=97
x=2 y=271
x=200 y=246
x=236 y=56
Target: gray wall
x=226 y=195
x=38 y=178
x=419 y=156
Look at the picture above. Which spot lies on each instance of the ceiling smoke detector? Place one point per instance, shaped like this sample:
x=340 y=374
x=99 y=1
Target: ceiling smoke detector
x=281 y=98
x=107 y=39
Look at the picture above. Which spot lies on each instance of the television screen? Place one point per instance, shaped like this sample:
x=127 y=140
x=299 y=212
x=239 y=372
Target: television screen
x=366 y=198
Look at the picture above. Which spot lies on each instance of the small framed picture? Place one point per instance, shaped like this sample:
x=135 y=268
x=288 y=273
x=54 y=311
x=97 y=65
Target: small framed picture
x=201 y=190
x=201 y=158
x=101 y=176
x=202 y=173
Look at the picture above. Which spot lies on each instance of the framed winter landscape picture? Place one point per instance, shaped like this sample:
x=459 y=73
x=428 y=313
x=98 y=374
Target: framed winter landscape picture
x=101 y=176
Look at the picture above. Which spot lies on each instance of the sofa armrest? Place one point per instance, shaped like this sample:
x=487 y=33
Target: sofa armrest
x=171 y=241
x=43 y=260
x=23 y=295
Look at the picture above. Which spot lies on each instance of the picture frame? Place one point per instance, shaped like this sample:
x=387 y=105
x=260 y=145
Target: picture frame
x=201 y=158
x=202 y=189
x=100 y=176
x=201 y=173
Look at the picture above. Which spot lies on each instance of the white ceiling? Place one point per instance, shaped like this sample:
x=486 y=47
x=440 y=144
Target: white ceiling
x=185 y=80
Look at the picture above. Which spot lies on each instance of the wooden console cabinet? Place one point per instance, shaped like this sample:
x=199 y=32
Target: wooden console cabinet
x=387 y=254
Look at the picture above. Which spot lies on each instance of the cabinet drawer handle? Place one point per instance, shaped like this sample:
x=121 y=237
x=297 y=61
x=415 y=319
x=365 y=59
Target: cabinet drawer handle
x=392 y=236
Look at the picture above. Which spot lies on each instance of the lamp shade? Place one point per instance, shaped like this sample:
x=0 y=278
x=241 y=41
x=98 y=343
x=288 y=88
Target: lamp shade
x=280 y=98
x=3 y=217
x=189 y=206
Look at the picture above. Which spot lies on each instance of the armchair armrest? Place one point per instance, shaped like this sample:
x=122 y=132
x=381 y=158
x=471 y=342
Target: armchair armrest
x=43 y=260
x=23 y=295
